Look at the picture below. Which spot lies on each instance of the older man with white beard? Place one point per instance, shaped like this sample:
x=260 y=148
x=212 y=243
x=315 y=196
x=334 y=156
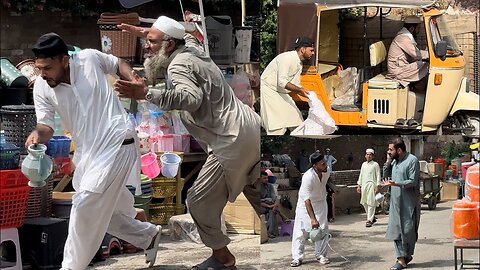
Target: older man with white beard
x=227 y=130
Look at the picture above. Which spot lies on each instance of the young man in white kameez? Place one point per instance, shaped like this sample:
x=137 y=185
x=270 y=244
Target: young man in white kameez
x=280 y=77
x=368 y=185
x=106 y=157
x=311 y=211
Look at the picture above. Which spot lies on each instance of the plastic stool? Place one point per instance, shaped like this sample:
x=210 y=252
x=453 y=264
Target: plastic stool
x=11 y=234
x=287 y=228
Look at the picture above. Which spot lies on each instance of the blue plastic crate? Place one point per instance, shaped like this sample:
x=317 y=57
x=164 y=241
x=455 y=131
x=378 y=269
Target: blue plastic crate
x=59 y=146
x=9 y=156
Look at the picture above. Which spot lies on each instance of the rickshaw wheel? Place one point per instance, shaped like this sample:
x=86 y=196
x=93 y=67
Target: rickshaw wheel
x=432 y=202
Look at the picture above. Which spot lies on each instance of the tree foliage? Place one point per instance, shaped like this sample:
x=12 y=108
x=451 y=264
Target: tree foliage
x=268 y=35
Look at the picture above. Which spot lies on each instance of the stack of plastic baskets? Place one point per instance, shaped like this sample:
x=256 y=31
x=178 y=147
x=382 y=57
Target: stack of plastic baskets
x=18 y=121
x=14 y=192
x=9 y=156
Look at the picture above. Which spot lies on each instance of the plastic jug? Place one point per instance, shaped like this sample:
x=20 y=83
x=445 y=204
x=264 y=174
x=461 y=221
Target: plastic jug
x=170 y=164
x=165 y=143
x=37 y=166
x=150 y=165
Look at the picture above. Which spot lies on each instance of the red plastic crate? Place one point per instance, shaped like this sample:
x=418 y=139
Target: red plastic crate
x=61 y=166
x=13 y=202
x=12 y=178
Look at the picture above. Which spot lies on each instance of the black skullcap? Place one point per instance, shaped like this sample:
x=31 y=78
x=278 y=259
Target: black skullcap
x=303 y=42
x=50 y=45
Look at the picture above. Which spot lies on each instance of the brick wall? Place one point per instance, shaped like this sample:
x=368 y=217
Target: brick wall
x=346 y=177
x=19 y=33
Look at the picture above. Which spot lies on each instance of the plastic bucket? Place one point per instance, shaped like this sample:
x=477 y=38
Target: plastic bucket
x=466 y=220
x=472 y=183
x=170 y=164
x=150 y=165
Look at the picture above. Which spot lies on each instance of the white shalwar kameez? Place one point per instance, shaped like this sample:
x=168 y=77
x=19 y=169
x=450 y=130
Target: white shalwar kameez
x=315 y=190
x=368 y=180
x=278 y=109
x=92 y=112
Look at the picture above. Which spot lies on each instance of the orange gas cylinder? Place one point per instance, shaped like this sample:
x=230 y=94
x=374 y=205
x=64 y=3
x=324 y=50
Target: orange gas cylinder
x=472 y=184
x=465 y=219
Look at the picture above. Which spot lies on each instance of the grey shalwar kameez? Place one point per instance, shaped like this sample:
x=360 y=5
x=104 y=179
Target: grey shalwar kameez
x=267 y=195
x=405 y=63
x=404 y=216
x=227 y=129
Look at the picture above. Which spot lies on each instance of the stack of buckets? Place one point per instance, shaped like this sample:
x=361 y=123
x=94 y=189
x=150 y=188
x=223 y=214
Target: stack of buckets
x=466 y=212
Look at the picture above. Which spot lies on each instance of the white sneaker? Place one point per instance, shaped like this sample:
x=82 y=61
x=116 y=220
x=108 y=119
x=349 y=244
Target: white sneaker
x=296 y=263
x=323 y=260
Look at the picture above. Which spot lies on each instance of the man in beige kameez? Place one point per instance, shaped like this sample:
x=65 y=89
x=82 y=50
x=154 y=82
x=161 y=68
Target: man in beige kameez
x=368 y=185
x=280 y=77
x=406 y=63
x=227 y=129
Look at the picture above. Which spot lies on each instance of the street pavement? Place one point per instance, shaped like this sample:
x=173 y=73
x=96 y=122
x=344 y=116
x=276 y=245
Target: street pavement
x=354 y=247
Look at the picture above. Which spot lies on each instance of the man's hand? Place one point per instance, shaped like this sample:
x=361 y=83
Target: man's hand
x=304 y=92
x=136 y=88
x=389 y=183
x=134 y=30
x=32 y=138
x=315 y=223
x=359 y=189
x=389 y=160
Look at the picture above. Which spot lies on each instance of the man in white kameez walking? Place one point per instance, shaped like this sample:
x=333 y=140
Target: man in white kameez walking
x=311 y=211
x=106 y=157
x=368 y=185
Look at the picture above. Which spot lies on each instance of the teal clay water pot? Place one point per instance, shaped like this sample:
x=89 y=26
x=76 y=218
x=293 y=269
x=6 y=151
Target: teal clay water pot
x=11 y=77
x=37 y=166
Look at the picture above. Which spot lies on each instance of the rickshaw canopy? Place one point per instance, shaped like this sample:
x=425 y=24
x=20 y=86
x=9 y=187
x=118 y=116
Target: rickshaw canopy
x=300 y=18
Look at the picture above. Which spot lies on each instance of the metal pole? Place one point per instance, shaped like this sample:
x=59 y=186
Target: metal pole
x=317 y=41
x=204 y=28
x=365 y=43
x=244 y=12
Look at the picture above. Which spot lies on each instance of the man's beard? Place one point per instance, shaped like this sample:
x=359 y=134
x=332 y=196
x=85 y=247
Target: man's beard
x=156 y=64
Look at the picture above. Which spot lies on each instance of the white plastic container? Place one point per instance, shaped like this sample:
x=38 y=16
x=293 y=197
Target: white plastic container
x=220 y=39
x=243 y=36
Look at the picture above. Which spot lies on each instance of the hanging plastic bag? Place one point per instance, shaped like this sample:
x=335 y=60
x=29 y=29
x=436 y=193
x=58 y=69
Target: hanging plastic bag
x=318 y=122
x=178 y=127
x=240 y=84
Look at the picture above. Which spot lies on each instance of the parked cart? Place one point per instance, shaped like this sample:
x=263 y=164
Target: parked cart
x=430 y=190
